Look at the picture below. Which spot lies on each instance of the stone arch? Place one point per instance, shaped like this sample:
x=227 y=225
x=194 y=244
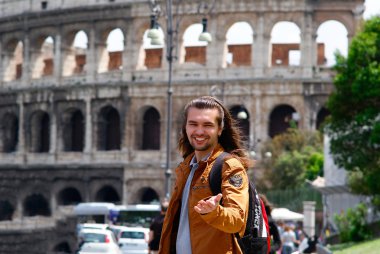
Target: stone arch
x=285 y=50
x=6 y=210
x=281 y=118
x=147 y=195
x=115 y=53
x=326 y=30
x=42 y=55
x=36 y=204
x=74 y=52
x=12 y=59
x=274 y=18
x=107 y=193
x=9 y=132
x=193 y=51
x=151 y=53
x=322 y=114
x=109 y=129
x=145 y=134
x=39 y=132
x=69 y=196
x=73 y=130
x=239 y=51
x=151 y=127
x=102 y=34
x=346 y=20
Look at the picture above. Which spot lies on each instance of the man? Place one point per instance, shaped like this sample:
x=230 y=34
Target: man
x=197 y=222
x=156 y=228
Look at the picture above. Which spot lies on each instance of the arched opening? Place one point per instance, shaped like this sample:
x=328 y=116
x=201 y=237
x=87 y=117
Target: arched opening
x=109 y=136
x=241 y=115
x=239 y=44
x=193 y=51
x=115 y=48
x=321 y=117
x=6 y=210
x=75 y=54
x=69 y=196
x=12 y=60
x=40 y=132
x=285 y=41
x=326 y=46
x=43 y=58
x=151 y=52
x=148 y=195
x=62 y=247
x=107 y=194
x=36 y=204
x=151 y=130
x=281 y=118
x=73 y=132
x=9 y=133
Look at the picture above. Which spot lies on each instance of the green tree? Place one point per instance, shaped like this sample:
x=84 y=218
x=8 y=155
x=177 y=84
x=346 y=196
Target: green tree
x=296 y=156
x=354 y=125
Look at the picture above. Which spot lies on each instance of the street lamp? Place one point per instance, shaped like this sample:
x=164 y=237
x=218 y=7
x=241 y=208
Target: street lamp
x=171 y=35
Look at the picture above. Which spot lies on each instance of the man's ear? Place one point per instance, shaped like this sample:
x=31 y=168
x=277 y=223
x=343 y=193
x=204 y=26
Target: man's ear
x=220 y=131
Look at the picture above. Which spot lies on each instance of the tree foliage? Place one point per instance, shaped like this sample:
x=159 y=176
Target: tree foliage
x=295 y=157
x=354 y=125
x=352 y=225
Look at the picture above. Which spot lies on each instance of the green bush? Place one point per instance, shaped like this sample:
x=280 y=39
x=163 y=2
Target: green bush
x=352 y=225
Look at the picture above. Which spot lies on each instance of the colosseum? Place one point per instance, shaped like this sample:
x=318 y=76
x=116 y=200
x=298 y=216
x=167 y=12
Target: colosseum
x=84 y=122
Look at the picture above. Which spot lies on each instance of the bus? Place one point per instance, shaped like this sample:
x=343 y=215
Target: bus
x=136 y=215
x=95 y=212
x=109 y=213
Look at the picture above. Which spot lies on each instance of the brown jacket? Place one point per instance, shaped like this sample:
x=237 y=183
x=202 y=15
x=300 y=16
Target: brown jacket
x=212 y=232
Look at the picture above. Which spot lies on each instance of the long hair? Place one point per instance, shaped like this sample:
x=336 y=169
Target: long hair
x=230 y=138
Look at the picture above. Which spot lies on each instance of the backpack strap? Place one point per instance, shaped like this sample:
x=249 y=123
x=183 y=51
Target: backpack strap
x=215 y=176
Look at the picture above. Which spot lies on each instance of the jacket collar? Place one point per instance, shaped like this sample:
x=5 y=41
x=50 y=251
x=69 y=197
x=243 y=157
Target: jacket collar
x=214 y=154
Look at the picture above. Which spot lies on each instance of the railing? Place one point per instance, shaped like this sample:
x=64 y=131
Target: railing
x=293 y=198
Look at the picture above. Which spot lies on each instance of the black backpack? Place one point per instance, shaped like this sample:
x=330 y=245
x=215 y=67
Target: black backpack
x=256 y=239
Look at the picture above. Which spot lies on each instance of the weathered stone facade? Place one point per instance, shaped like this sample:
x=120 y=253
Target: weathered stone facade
x=83 y=125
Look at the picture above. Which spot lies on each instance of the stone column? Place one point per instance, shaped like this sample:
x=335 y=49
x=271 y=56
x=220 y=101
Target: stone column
x=91 y=58
x=21 y=127
x=18 y=214
x=26 y=70
x=53 y=126
x=127 y=55
x=215 y=51
x=88 y=128
x=308 y=47
x=260 y=48
x=309 y=217
x=58 y=57
x=2 y=64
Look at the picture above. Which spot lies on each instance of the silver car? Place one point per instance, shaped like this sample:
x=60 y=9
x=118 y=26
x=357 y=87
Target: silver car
x=134 y=240
x=98 y=241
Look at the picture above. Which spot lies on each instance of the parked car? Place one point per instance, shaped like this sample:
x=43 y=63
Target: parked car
x=116 y=229
x=134 y=240
x=97 y=241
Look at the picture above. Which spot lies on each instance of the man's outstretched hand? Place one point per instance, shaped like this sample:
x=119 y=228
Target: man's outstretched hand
x=209 y=205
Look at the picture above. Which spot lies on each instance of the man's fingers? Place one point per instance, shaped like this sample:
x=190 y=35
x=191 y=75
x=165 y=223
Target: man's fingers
x=218 y=197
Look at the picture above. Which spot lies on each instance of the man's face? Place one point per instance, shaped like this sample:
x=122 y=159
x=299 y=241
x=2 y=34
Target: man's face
x=202 y=130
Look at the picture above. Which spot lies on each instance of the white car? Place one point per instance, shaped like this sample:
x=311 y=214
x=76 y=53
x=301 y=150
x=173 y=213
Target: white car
x=134 y=240
x=97 y=241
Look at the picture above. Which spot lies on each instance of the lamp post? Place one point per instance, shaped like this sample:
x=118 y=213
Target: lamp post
x=156 y=39
x=169 y=58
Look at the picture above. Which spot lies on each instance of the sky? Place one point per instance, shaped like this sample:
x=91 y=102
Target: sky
x=332 y=33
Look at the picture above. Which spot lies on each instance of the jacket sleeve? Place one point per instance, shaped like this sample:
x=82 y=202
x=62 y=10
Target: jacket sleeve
x=231 y=215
